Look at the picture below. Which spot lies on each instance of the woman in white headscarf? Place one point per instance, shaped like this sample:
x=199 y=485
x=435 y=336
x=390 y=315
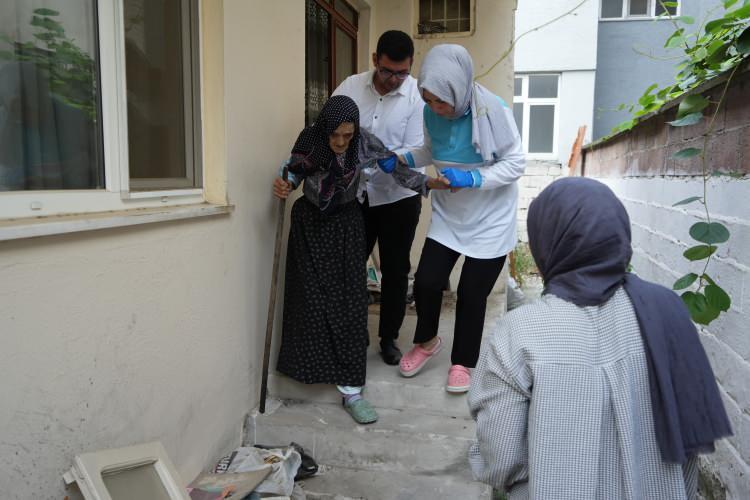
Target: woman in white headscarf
x=472 y=139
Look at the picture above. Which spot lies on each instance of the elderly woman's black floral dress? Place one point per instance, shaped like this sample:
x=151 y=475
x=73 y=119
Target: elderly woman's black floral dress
x=324 y=338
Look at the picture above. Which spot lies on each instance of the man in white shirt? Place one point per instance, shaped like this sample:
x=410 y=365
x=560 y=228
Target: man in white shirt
x=390 y=106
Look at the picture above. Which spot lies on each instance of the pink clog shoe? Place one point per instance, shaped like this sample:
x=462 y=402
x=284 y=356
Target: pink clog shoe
x=414 y=360
x=459 y=379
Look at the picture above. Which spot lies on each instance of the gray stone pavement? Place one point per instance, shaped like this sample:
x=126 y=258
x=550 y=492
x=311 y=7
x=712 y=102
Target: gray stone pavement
x=416 y=450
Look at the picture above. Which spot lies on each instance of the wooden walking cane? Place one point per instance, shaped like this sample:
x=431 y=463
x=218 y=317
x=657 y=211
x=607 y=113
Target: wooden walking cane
x=272 y=298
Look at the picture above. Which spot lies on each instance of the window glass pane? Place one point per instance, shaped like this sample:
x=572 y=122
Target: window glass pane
x=159 y=96
x=424 y=10
x=611 y=8
x=50 y=127
x=138 y=482
x=543 y=86
x=452 y=9
x=438 y=10
x=518 y=115
x=346 y=11
x=465 y=9
x=517 y=86
x=541 y=128
x=464 y=25
x=639 y=7
x=317 y=62
x=660 y=9
x=344 y=56
x=451 y=26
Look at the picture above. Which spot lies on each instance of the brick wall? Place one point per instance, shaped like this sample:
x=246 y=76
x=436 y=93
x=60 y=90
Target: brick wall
x=639 y=167
x=538 y=175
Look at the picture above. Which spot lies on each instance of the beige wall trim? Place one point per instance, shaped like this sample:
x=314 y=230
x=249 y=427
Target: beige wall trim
x=63 y=224
x=212 y=96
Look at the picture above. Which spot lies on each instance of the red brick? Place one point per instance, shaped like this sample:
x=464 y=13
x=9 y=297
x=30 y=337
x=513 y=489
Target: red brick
x=684 y=166
x=661 y=131
x=745 y=150
x=724 y=152
x=737 y=104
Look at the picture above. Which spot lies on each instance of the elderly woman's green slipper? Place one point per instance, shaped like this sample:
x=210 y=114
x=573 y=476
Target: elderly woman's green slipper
x=361 y=411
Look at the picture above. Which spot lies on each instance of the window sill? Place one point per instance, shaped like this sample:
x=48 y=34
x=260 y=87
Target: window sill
x=14 y=229
x=633 y=18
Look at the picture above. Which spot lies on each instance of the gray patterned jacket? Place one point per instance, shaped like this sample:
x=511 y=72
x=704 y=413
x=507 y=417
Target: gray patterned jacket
x=563 y=411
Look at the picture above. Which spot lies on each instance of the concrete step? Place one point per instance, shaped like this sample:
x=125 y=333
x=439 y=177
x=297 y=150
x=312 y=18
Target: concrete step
x=400 y=441
x=340 y=483
x=385 y=387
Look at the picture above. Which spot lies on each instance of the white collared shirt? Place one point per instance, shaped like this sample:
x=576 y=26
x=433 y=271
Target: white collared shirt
x=395 y=119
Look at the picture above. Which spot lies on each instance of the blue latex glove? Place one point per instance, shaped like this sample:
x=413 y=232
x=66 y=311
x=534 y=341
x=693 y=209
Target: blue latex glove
x=388 y=165
x=462 y=178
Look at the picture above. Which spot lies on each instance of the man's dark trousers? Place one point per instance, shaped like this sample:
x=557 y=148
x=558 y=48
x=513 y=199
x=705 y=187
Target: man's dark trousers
x=393 y=225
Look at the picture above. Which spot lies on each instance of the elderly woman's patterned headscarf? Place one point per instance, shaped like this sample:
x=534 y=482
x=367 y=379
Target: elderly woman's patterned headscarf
x=312 y=154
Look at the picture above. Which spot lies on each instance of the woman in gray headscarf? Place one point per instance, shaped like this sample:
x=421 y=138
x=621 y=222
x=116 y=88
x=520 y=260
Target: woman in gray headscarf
x=601 y=389
x=472 y=139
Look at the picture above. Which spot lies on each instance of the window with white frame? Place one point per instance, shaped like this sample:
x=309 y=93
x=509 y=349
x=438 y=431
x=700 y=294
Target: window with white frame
x=634 y=9
x=536 y=110
x=444 y=16
x=99 y=104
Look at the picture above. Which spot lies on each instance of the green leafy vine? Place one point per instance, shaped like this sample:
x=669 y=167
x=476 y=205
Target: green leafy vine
x=718 y=47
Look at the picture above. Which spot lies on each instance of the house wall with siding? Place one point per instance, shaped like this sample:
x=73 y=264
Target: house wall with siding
x=631 y=56
x=120 y=336
x=567 y=47
x=639 y=168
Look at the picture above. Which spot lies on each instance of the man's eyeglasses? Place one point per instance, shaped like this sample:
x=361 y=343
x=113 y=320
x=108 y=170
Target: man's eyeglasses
x=386 y=73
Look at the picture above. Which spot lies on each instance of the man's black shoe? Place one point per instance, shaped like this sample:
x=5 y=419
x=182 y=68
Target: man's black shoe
x=390 y=352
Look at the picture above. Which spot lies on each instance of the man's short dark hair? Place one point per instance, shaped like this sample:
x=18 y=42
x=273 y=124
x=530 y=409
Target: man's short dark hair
x=397 y=45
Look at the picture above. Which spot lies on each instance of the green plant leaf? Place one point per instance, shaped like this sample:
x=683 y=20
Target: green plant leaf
x=690 y=119
x=46 y=12
x=741 y=13
x=709 y=233
x=708 y=278
x=700 y=54
x=675 y=39
x=700 y=311
x=729 y=3
x=716 y=25
x=692 y=104
x=687 y=153
x=717 y=298
x=685 y=281
x=685 y=19
x=743 y=42
x=670 y=4
x=687 y=201
x=699 y=252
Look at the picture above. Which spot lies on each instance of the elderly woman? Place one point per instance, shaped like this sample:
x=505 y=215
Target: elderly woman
x=601 y=389
x=471 y=138
x=324 y=337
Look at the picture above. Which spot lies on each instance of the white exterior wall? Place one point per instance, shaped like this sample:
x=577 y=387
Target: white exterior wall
x=660 y=235
x=115 y=337
x=568 y=47
x=576 y=109
x=565 y=45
